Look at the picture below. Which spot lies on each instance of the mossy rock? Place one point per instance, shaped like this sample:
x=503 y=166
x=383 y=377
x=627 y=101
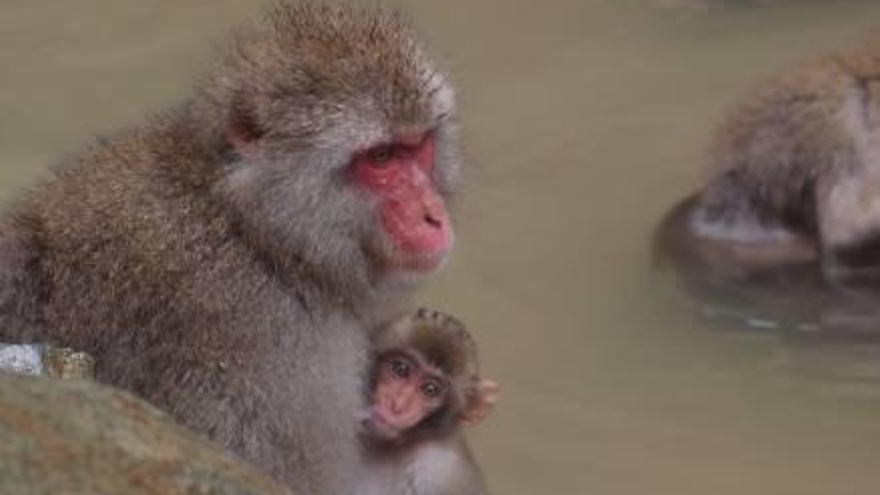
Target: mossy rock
x=75 y=437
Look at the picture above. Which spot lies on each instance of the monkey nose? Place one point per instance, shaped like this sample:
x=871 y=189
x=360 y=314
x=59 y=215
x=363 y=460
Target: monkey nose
x=433 y=221
x=399 y=406
x=434 y=214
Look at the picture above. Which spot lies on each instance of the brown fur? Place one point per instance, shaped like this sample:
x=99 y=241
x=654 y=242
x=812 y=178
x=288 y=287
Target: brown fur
x=798 y=162
x=444 y=343
x=786 y=232
x=214 y=260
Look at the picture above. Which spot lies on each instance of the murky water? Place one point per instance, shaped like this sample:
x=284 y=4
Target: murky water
x=587 y=120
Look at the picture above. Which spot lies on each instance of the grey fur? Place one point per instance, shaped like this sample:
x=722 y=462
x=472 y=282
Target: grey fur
x=214 y=259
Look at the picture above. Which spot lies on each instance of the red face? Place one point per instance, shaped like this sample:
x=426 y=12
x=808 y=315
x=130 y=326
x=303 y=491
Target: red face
x=406 y=393
x=413 y=213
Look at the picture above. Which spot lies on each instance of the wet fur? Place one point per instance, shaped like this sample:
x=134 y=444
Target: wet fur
x=787 y=228
x=800 y=158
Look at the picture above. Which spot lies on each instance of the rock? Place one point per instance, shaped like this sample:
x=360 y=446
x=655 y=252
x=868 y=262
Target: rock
x=80 y=438
x=67 y=364
x=21 y=359
x=46 y=360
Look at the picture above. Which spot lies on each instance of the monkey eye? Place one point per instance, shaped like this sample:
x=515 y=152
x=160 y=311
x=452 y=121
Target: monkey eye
x=381 y=156
x=401 y=368
x=431 y=390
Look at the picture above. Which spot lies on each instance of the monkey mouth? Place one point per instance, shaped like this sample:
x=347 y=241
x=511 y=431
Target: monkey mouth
x=419 y=262
x=375 y=426
x=390 y=259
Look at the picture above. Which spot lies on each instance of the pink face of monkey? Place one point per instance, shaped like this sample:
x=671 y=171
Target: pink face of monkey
x=414 y=214
x=407 y=391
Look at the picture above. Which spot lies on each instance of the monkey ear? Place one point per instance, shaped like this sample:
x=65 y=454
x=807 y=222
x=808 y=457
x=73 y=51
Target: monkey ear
x=243 y=130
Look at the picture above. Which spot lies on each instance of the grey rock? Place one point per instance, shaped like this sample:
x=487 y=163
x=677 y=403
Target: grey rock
x=75 y=437
x=46 y=360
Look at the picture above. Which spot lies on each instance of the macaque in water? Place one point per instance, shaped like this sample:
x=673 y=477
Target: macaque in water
x=425 y=381
x=225 y=259
x=793 y=200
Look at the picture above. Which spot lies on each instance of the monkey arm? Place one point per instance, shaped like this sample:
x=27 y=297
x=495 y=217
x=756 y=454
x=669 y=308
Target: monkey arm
x=20 y=290
x=446 y=467
x=206 y=394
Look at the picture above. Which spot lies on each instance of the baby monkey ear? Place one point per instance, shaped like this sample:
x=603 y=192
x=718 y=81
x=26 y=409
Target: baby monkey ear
x=481 y=401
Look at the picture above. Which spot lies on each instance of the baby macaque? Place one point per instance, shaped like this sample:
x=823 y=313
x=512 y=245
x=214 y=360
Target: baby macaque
x=425 y=381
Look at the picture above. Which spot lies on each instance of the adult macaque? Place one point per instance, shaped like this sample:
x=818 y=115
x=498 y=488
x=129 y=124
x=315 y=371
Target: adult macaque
x=224 y=258
x=795 y=170
x=425 y=381
x=793 y=201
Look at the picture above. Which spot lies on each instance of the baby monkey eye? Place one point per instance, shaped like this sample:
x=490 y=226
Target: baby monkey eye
x=401 y=368
x=431 y=390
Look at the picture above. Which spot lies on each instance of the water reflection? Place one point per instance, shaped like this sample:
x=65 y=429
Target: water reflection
x=795 y=297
